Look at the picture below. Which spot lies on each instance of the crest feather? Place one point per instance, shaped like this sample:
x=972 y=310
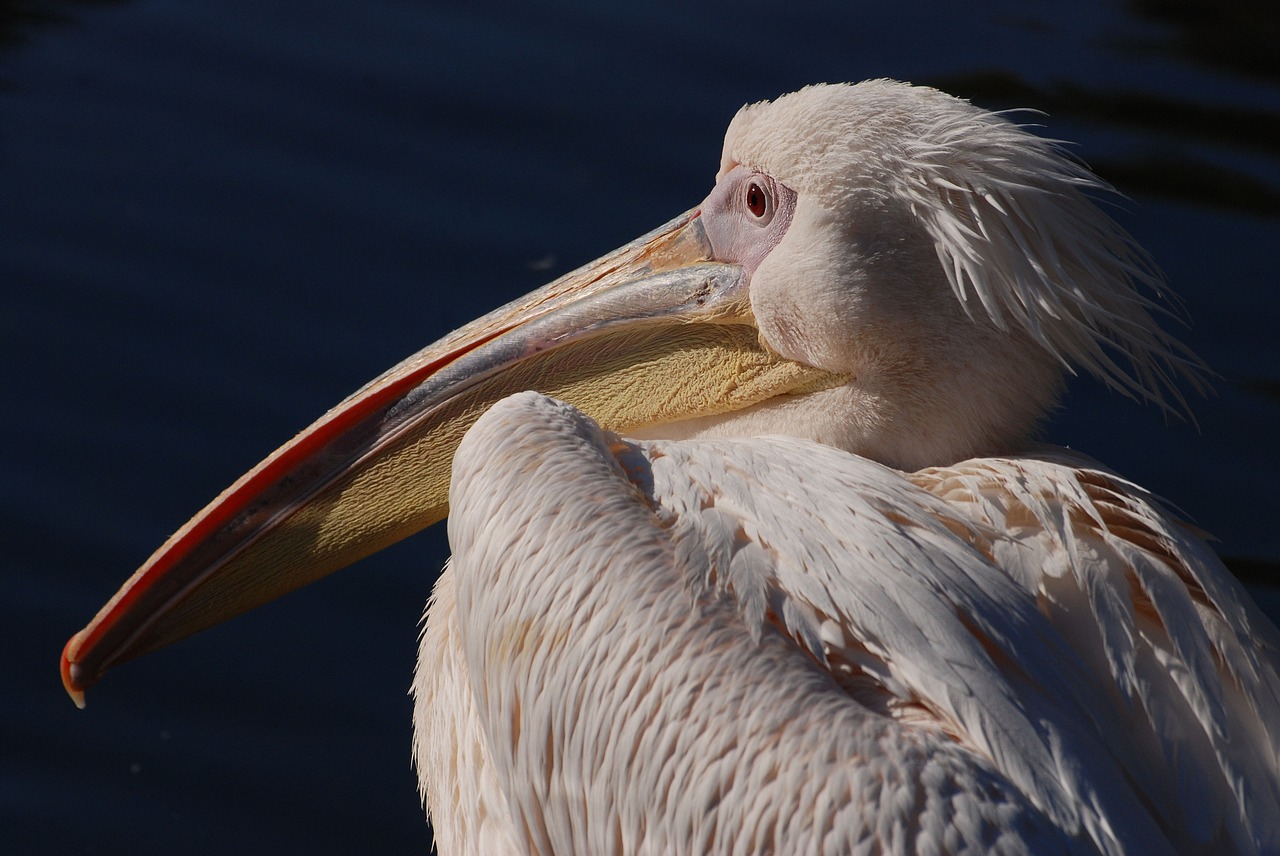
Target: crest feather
x=1011 y=216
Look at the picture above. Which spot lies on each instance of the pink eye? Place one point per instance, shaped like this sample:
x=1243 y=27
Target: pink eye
x=757 y=202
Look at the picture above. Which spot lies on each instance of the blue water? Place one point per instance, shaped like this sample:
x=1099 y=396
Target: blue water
x=217 y=219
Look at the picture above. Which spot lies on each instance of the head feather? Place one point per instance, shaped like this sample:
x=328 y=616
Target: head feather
x=1011 y=216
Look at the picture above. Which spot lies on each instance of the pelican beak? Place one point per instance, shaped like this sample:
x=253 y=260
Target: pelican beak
x=652 y=333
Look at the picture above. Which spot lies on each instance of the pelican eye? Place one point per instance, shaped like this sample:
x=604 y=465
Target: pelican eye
x=757 y=200
x=746 y=215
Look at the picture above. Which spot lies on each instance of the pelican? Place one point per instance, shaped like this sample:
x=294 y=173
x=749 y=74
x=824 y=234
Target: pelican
x=754 y=548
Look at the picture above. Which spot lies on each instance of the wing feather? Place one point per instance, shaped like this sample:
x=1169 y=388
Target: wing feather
x=1148 y=605
x=966 y=651
x=756 y=644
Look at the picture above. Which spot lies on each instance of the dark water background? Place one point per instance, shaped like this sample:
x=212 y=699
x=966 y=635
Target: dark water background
x=217 y=219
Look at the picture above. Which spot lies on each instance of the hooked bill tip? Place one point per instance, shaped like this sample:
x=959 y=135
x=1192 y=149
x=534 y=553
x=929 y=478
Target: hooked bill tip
x=74 y=678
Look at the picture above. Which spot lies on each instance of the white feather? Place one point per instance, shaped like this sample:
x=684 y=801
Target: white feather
x=644 y=689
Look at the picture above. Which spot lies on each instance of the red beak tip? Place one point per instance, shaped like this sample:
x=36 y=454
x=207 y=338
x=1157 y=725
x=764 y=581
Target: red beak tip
x=73 y=677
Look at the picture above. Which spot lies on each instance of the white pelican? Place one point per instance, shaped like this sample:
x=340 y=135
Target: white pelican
x=836 y=600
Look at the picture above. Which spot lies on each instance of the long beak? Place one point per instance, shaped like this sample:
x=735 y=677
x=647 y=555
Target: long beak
x=652 y=333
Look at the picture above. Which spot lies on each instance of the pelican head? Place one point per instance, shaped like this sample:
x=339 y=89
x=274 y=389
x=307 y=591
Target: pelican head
x=944 y=260
x=880 y=267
